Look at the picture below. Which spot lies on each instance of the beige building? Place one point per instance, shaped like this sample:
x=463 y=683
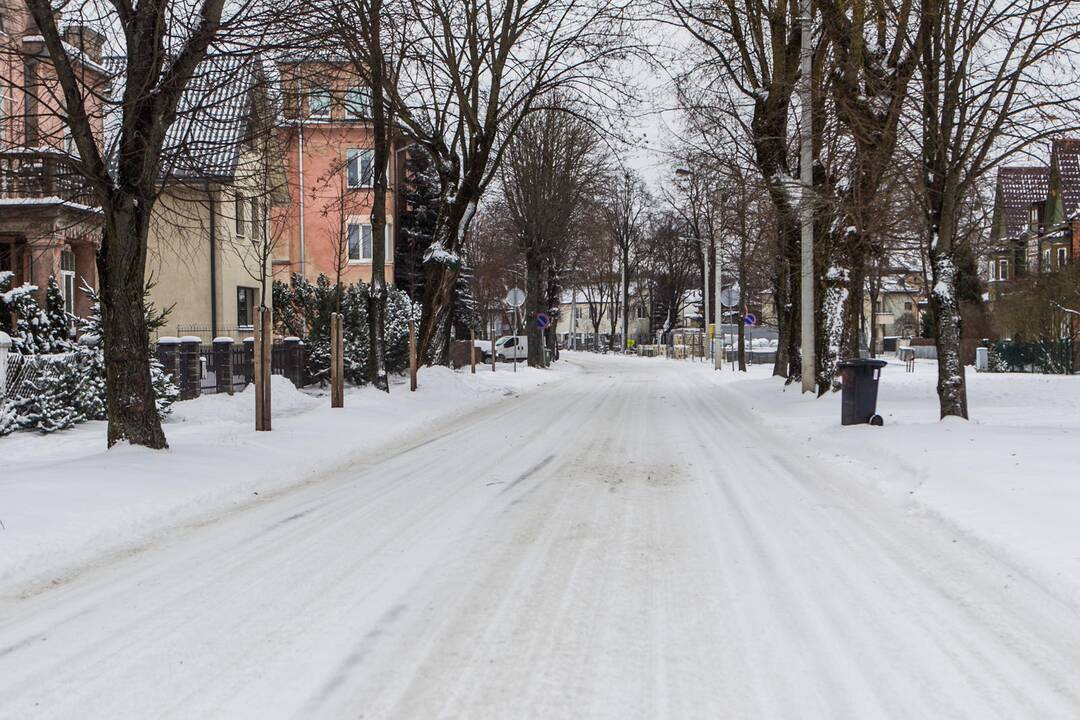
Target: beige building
x=210 y=246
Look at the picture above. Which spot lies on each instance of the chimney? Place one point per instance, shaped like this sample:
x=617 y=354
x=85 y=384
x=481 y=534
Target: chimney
x=86 y=39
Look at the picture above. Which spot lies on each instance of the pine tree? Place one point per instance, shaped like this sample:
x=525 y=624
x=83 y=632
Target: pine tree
x=416 y=226
x=57 y=332
x=464 y=310
x=30 y=334
x=50 y=402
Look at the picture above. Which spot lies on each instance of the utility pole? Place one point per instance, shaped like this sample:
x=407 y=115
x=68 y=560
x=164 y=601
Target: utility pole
x=806 y=207
x=573 y=319
x=719 y=319
x=705 y=306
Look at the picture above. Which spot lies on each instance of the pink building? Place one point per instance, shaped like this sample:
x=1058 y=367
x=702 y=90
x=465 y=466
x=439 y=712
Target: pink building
x=328 y=162
x=48 y=223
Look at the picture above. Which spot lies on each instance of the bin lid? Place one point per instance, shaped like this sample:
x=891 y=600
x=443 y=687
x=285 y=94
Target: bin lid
x=862 y=362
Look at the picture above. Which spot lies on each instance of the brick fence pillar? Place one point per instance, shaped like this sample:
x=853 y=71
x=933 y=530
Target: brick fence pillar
x=249 y=360
x=223 y=369
x=189 y=367
x=294 y=361
x=168 y=354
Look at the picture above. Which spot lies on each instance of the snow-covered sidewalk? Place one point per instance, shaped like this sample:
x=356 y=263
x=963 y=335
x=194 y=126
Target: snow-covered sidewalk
x=65 y=501
x=1009 y=478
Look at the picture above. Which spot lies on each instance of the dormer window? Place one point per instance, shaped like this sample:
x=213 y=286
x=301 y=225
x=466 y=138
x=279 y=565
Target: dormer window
x=1034 y=218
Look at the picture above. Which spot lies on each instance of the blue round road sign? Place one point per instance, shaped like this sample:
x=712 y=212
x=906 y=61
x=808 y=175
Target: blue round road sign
x=750 y=319
x=542 y=320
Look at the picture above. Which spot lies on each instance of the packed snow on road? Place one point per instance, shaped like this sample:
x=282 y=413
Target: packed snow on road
x=613 y=538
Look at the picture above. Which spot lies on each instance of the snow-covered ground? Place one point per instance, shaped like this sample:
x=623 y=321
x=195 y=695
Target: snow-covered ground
x=66 y=502
x=643 y=538
x=1009 y=478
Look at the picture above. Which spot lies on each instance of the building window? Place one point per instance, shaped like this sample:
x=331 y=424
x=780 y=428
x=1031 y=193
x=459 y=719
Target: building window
x=1034 y=217
x=879 y=306
x=1003 y=269
x=907 y=307
x=67 y=280
x=360 y=245
x=360 y=165
x=319 y=103
x=993 y=269
x=256 y=221
x=1062 y=256
x=241 y=209
x=245 y=307
x=1046 y=260
x=640 y=311
x=357 y=103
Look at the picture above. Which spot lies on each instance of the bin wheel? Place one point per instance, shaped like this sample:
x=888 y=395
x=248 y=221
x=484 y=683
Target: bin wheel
x=877 y=421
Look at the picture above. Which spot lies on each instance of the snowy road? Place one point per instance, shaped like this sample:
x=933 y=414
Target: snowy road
x=628 y=543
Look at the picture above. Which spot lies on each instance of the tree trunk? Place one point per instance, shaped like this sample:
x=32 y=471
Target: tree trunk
x=129 y=394
x=742 y=307
x=535 y=295
x=380 y=127
x=951 y=387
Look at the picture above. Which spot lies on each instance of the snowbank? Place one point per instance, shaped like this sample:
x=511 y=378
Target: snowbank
x=65 y=501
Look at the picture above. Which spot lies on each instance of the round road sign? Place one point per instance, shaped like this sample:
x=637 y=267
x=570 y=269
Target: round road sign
x=516 y=297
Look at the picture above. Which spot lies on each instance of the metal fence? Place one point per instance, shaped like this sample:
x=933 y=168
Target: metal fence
x=1052 y=357
x=226 y=367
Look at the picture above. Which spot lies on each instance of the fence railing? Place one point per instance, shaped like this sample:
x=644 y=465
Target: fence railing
x=38 y=174
x=1053 y=357
x=225 y=366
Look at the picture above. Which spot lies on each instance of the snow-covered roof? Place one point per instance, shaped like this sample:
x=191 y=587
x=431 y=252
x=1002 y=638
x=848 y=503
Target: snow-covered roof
x=212 y=117
x=1066 y=156
x=1021 y=187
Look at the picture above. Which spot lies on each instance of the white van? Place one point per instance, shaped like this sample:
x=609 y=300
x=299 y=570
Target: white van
x=507 y=348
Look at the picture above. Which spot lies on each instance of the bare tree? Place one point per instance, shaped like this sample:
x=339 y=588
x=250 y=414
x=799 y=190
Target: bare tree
x=161 y=47
x=995 y=79
x=671 y=263
x=750 y=48
x=552 y=166
x=876 y=50
x=470 y=73
x=625 y=216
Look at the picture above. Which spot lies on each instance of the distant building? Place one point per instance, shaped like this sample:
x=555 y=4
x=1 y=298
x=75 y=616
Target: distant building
x=1036 y=220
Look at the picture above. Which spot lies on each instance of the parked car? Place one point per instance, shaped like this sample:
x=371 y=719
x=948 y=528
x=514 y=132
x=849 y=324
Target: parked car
x=507 y=348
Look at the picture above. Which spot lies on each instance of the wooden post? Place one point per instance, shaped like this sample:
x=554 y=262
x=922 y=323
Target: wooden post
x=412 y=355
x=472 y=350
x=264 y=341
x=337 y=362
x=493 y=358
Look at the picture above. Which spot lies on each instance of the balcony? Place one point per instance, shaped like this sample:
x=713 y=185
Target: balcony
x=41 y=177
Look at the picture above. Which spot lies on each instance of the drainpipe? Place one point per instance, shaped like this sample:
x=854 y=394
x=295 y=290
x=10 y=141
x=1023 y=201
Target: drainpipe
x=303 y=269
x=213 y=261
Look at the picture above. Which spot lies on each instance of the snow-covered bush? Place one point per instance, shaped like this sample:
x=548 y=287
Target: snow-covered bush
x=67 y=383
x=35 y=331
x=302 y=305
